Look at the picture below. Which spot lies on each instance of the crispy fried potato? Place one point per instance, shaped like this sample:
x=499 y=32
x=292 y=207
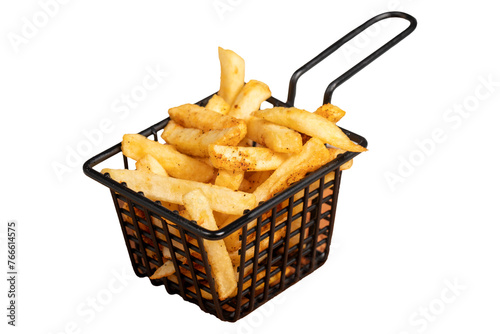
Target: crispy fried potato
x=245 y=158
x=232 y=75
x=229 y=178
x=330 y=112
x=311 y=124
x=165 y=270
x=222 y=269
x=195 y=142
x=334 y=153
x=169 y=189
x=149 y=164
x=175 y=163
x=249 y=99
x=313 y=155
x=255 y=179
x=218 y=104
x=276 y=137
x=193 y=116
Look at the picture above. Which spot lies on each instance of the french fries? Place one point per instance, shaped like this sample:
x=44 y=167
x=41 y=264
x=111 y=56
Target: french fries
x=232 y=77
x=175 y=163
x=169 y=189
x=330 y=112
x=194 y=116
x=276 y=137
x=249 y=99
x=313 y=155
x=198 y=207
x=217 y=162
x=230 y=179
x=195 y=142
x=218 y=104
x=310 y=124
x=245 y=158
x=149 y=164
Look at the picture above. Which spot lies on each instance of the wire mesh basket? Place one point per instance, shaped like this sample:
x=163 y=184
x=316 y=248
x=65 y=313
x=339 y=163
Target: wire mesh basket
x=282 y=240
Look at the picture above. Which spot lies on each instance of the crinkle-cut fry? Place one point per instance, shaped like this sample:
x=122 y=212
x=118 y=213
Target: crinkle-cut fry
x=193 y=116
x=310 y=124
x=218 y=104
x=249 y=99
x=165 y=270
x=230 y=179
x=195 y=141
x=222 y=269
x=245 y=158
x=276 y=137
x=169 y=189
x=232 y=77
x=313 y=155
x=149 y=164
x=330 y=112
x=176 y=164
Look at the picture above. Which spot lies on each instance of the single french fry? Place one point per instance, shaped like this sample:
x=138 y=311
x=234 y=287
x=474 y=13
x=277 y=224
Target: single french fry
x=149 y=164
x=169 y=189
x=245 y=158
x=276 y=137
x=175 y=163
x=218 y=104
x=222 y=269
x=165 y=270
x=195 y=141
x=310 y=124
x=249 y=99
x=330 y=112
x=313 y=155
x=334 y=153
x=193 y=116
x=229 y=178
x=232 y=76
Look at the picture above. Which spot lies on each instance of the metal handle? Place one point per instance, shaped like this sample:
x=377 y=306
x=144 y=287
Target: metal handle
x=292 y=88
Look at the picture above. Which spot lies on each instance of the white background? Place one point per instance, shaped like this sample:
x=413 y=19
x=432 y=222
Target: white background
x=396 y=249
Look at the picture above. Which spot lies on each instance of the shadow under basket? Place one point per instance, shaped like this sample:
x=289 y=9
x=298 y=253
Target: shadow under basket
x=281 y=241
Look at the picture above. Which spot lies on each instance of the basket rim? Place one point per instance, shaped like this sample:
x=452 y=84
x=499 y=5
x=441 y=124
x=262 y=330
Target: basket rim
x=192 y=226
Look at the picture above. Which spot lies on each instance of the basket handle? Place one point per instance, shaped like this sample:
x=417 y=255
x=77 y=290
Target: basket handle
x=292 y=88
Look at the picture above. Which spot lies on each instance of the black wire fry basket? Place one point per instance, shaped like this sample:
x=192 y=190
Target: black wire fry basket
x=282 y=240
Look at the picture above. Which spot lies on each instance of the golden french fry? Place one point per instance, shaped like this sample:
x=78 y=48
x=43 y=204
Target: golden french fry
x=245 y=158
x=232 y=76
x=254 y=179
x=313 y=155
x=195 y=141
x=334 y=153
x=278 y=138
x=229 y=178
x=330 y=112
x=249 y=99
x=165 y=270
x=149 y=164
x=310 y=124
x=175 y=163
x=194 y=116
x=169 y=189
x=218 y=104
x=222 y=269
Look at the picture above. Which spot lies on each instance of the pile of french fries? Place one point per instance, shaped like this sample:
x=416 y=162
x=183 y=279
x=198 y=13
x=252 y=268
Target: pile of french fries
x=226 y=157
